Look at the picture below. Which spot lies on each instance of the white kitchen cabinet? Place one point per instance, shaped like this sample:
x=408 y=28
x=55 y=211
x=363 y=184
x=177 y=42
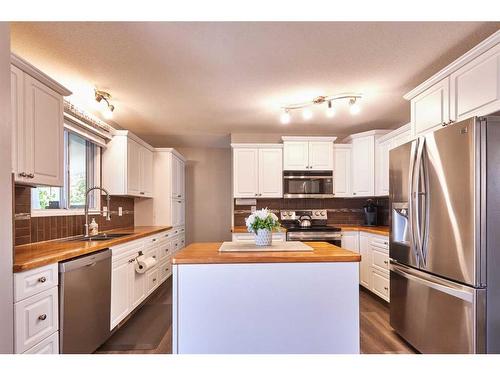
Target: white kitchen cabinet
x=475 y=87
x=250 y=237
x=178 y=210
x=257 y=171
x=401 y=136
x=50 y=345
x=127 y=166
x=431 y=108
x=37 y=119
x=380 y=284
x=365 y=269
x=270 y=172
x=342 y=170
x=245 y=172
x=363 y=167
x=178 y=177
x=350 y=240
x=382 y=167
x=121 y=290
x=308 y=153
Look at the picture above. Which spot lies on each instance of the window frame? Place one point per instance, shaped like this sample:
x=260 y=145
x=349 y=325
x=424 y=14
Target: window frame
x=93 y=174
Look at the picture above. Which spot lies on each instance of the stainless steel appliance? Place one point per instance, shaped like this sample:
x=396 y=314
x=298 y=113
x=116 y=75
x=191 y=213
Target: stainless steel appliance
x=445 y=239
x=84 y=302
x=308 y=184
x=317 y=231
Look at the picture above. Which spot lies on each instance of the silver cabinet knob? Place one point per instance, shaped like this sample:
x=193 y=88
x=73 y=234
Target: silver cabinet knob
x=386 y=288
x=42 y=317
x=23 y=174
x=386 y=262
x=31 y=175
x=178 y=196
x=154 y=280
x=42 y=279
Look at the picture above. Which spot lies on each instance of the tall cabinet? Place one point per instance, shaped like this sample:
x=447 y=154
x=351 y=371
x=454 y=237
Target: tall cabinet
x=37 y=122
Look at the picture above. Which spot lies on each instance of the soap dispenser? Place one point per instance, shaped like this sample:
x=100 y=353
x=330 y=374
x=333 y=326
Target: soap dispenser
x=93 y=228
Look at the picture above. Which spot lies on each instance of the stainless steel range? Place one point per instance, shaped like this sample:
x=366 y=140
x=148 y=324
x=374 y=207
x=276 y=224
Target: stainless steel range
x=310 y=226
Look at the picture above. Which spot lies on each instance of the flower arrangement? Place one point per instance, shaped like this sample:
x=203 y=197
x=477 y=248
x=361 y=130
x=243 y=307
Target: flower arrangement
x=262 y=223
x=262 y=219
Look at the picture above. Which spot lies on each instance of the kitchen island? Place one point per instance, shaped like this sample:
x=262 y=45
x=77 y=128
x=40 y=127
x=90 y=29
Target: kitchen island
x=265 y=302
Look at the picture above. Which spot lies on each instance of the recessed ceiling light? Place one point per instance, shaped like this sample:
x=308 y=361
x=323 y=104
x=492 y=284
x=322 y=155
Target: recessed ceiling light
x=307 y=114
x=285 y=117
x=354 y=107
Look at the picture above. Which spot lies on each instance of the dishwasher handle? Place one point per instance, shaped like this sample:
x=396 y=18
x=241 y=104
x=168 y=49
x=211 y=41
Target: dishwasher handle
x=88 y=260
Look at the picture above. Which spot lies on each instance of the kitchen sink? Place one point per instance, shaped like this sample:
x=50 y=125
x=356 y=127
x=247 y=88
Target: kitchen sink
x=99 y=237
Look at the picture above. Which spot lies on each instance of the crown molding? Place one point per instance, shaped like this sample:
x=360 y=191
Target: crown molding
x=256 y=145
x=308 y=138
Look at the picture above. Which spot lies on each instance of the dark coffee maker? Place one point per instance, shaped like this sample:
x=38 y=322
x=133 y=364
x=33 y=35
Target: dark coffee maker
x=370 y=211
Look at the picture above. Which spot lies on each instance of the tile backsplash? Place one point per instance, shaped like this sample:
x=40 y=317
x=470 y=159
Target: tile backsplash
x=340 y=210
x=29 y=229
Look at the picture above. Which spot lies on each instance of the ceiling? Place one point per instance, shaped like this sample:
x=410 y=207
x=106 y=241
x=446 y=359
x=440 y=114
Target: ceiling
x=194 y=83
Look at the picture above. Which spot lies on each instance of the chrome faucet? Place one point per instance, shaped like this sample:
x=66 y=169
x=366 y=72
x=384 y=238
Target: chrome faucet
x=108 y=212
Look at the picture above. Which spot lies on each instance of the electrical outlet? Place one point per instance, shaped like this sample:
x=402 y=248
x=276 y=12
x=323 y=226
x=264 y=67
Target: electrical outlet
x=120 y=211
x=104 y=210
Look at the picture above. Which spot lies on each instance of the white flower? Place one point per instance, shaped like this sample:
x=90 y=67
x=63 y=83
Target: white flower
x=262 y=214
x=275 y=218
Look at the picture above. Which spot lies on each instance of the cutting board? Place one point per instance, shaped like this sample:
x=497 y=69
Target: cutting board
x=276 y=246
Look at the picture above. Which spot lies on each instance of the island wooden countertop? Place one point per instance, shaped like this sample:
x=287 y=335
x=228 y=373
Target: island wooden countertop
x=381 y=230
x=208 y=253
x=47 y=252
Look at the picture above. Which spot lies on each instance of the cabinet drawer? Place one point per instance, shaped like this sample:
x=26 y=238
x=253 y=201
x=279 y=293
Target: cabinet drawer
x=380 y=242
x=29 y=283
x=127 y=251
x=153 y=253
x=164 y=250
x=380 y=284
x=165 y=270
x=177 y=243
x=48 y=346
x=380 y=259
x=35 y=318
x=152 y=280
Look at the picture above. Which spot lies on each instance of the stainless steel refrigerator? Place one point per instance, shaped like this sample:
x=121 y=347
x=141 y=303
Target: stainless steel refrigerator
x=445 y=239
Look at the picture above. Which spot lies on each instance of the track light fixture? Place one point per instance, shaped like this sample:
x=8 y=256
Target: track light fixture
x=105 y=97
x=307 y=114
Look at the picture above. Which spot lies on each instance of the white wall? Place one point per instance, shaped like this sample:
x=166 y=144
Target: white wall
x=208 y=194
x=6 y=307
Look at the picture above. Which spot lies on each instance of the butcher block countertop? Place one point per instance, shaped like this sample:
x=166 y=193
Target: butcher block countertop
x=47 y=252
x=208 y=253
x=382 y=230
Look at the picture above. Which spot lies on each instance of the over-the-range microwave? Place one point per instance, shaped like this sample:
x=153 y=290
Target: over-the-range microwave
x=308 y=184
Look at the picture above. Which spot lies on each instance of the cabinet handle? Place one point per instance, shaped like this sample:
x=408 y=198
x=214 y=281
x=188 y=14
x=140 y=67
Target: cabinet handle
x=353 y=193
x=386 y=288
x=154 y=280
x=142 y=193
x=42 y=279
x=386 y=262
x=154 y=239
x=31 y=175
x=42 y=317
x=22 y=174
x=154 y=256
x=178 y=196
x=131 y=260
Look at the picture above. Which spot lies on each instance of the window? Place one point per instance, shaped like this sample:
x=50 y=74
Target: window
x=81 y=171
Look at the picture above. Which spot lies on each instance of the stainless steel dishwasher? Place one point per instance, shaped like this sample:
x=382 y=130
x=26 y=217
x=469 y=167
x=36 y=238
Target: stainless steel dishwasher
x=84 y=302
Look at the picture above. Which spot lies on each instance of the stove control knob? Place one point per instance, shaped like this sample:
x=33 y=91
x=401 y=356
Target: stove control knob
x=322 y=213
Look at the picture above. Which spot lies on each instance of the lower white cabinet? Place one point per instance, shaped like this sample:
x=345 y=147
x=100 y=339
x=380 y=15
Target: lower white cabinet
x=250 y=237
x=50 y=345
x=350 y=240
x=129 y=288
x=366 y=262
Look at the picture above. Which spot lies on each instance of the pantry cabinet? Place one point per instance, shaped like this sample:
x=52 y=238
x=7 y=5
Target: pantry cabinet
x=37 y=124
x=127 y=166
x=308 y=153
x=469 y=86
x=257 y=171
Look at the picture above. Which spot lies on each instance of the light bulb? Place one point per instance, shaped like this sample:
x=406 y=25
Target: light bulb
x=354 y=107
x=285 y=117
x=107 y=113
x=330 y=111
x=307 y=114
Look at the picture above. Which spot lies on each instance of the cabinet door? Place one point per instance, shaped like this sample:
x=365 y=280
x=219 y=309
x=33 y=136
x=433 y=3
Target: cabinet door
x=475 y=88
x=44 y=137
x=382 y=168
x=147 y=172
x=350 y=241
x=431 y=109
x=138 y=287
x=182 y=179
x=17 y=121
x=296 y=155
x=271 y=173
x=321 y=156
x=120 y=291
x=245 y=172
x=178 y=176
x=133 y=167
x=342 y=171
x=363 y=167
x=365 y=264
x=177 y=212
x=401 y=139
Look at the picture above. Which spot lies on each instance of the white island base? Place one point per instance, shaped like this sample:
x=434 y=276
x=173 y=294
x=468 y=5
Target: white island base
x=272 y=308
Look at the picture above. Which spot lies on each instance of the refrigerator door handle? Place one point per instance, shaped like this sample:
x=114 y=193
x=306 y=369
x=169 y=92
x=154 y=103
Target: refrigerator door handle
x=418 y=195
x=411 y=207
x=448 y=287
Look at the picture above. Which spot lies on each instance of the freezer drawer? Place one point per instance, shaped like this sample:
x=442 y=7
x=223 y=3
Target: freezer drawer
x=435 y=315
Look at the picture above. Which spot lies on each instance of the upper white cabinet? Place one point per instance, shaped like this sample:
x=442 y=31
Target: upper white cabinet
x=178 y=177
x=382 y=148
x=400 y=136
x=37 y=122
x=342 y=170
x=127 y=164
x=308 y=153
x=257 y=171
x=475 y=88
x=469 y=86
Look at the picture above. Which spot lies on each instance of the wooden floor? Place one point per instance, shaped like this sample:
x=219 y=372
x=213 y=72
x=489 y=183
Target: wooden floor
x=377 y=337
